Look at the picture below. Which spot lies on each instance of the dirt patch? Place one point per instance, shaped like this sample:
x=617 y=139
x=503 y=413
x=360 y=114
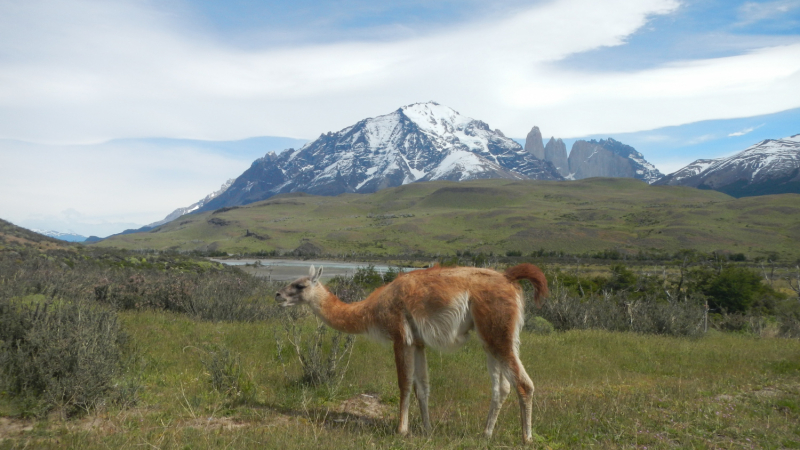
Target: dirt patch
x=216 y=423
x=10 y=428
x=365 y=406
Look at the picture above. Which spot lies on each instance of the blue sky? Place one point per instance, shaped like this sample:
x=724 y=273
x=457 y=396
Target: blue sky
x=84 y=79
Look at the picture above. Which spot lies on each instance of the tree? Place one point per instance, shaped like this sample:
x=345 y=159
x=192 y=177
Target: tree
x=734 y=289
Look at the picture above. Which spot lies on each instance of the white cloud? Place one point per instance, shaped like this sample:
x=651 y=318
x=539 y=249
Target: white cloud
x=752 y=12
x=86 y=71
x=700 y=139
x=82 y=70
x=744 y=131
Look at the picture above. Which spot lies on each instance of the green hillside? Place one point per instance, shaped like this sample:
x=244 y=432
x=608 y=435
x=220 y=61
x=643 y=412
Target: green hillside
x=493 y=215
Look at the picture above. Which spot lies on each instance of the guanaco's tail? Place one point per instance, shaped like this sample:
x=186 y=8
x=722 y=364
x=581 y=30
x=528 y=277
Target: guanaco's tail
x=534 y=275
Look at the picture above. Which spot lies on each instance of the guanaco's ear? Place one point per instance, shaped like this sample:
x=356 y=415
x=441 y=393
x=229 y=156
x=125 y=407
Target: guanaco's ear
x=314 y=274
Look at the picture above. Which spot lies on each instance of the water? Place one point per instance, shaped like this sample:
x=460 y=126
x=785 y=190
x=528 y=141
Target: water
x=291 y=269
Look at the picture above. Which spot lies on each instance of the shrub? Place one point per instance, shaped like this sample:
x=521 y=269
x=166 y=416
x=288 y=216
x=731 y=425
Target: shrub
x=622 y=278
x=225 y=374
x=735 y=289
x=368 y=277
x=616 y=311
x=239 y=297
x=321 y=355
x=539 y=325
x=56 y=354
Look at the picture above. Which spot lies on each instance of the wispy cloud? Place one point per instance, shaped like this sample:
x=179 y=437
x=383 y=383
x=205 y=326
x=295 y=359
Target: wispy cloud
x=79 y=70
x=753 y=12
x=88 y=71
x=701 y=139
x=745 y=131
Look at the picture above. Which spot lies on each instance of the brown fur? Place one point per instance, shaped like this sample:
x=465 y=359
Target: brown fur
x=438 y=307
x=534 y=275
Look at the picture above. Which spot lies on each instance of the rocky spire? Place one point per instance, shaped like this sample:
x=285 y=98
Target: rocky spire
x=556 y=152
x=533 y=143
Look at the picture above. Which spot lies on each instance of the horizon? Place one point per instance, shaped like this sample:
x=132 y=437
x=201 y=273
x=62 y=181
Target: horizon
x=91 y=87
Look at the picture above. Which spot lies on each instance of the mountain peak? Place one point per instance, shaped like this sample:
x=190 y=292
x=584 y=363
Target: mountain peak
x=771 y=166
x=435 y=118
x=417 y=142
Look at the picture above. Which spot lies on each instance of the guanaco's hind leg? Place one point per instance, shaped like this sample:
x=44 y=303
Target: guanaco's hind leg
x=499 y=332
x=422 y=387
x=515 y=372
x=404 y=360
x=500 y=389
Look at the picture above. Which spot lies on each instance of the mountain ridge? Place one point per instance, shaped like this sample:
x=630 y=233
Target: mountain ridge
x=417 y=142
x=771 y=166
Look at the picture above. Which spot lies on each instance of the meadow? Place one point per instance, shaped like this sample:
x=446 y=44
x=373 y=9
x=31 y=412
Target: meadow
x=490 y=216
x=594 y=389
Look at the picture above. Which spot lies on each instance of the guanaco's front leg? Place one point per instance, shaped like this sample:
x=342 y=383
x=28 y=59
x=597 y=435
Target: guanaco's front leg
x=404 y=360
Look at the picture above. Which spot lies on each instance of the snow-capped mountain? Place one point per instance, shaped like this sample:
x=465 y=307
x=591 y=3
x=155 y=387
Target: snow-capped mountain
x=69 y=236
x=419 y=142
x=689 y=171
x=770 y=167
x=194 y=206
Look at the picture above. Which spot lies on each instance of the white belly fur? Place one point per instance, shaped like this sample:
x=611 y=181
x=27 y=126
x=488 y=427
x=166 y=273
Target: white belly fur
x=449 y=328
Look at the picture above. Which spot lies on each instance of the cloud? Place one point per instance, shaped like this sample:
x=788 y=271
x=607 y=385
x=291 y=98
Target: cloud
x=744 y=131
x=701 y=139
x=87 y=71
x=753 y=12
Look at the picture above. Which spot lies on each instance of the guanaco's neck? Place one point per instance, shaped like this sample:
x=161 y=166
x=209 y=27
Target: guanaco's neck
x=353 y=318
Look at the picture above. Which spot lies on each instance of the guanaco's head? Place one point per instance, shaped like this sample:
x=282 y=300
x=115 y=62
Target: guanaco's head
x=301 y=290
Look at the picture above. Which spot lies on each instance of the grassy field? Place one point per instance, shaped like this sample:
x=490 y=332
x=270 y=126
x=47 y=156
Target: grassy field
x=594 y=389
x=493 y=216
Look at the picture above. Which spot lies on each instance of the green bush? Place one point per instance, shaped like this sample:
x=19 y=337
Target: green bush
x=321 y=355
x=57 y=354
x=737 y=289
x=368 y=277
x=539 y=325
x=225 y=374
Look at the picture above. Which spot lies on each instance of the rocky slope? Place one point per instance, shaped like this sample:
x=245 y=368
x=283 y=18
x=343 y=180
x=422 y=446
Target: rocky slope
x=556 y=152
x=604 y=158
x=419 y=142
x=609 y=158
x=770 y=167
x=194 y=206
